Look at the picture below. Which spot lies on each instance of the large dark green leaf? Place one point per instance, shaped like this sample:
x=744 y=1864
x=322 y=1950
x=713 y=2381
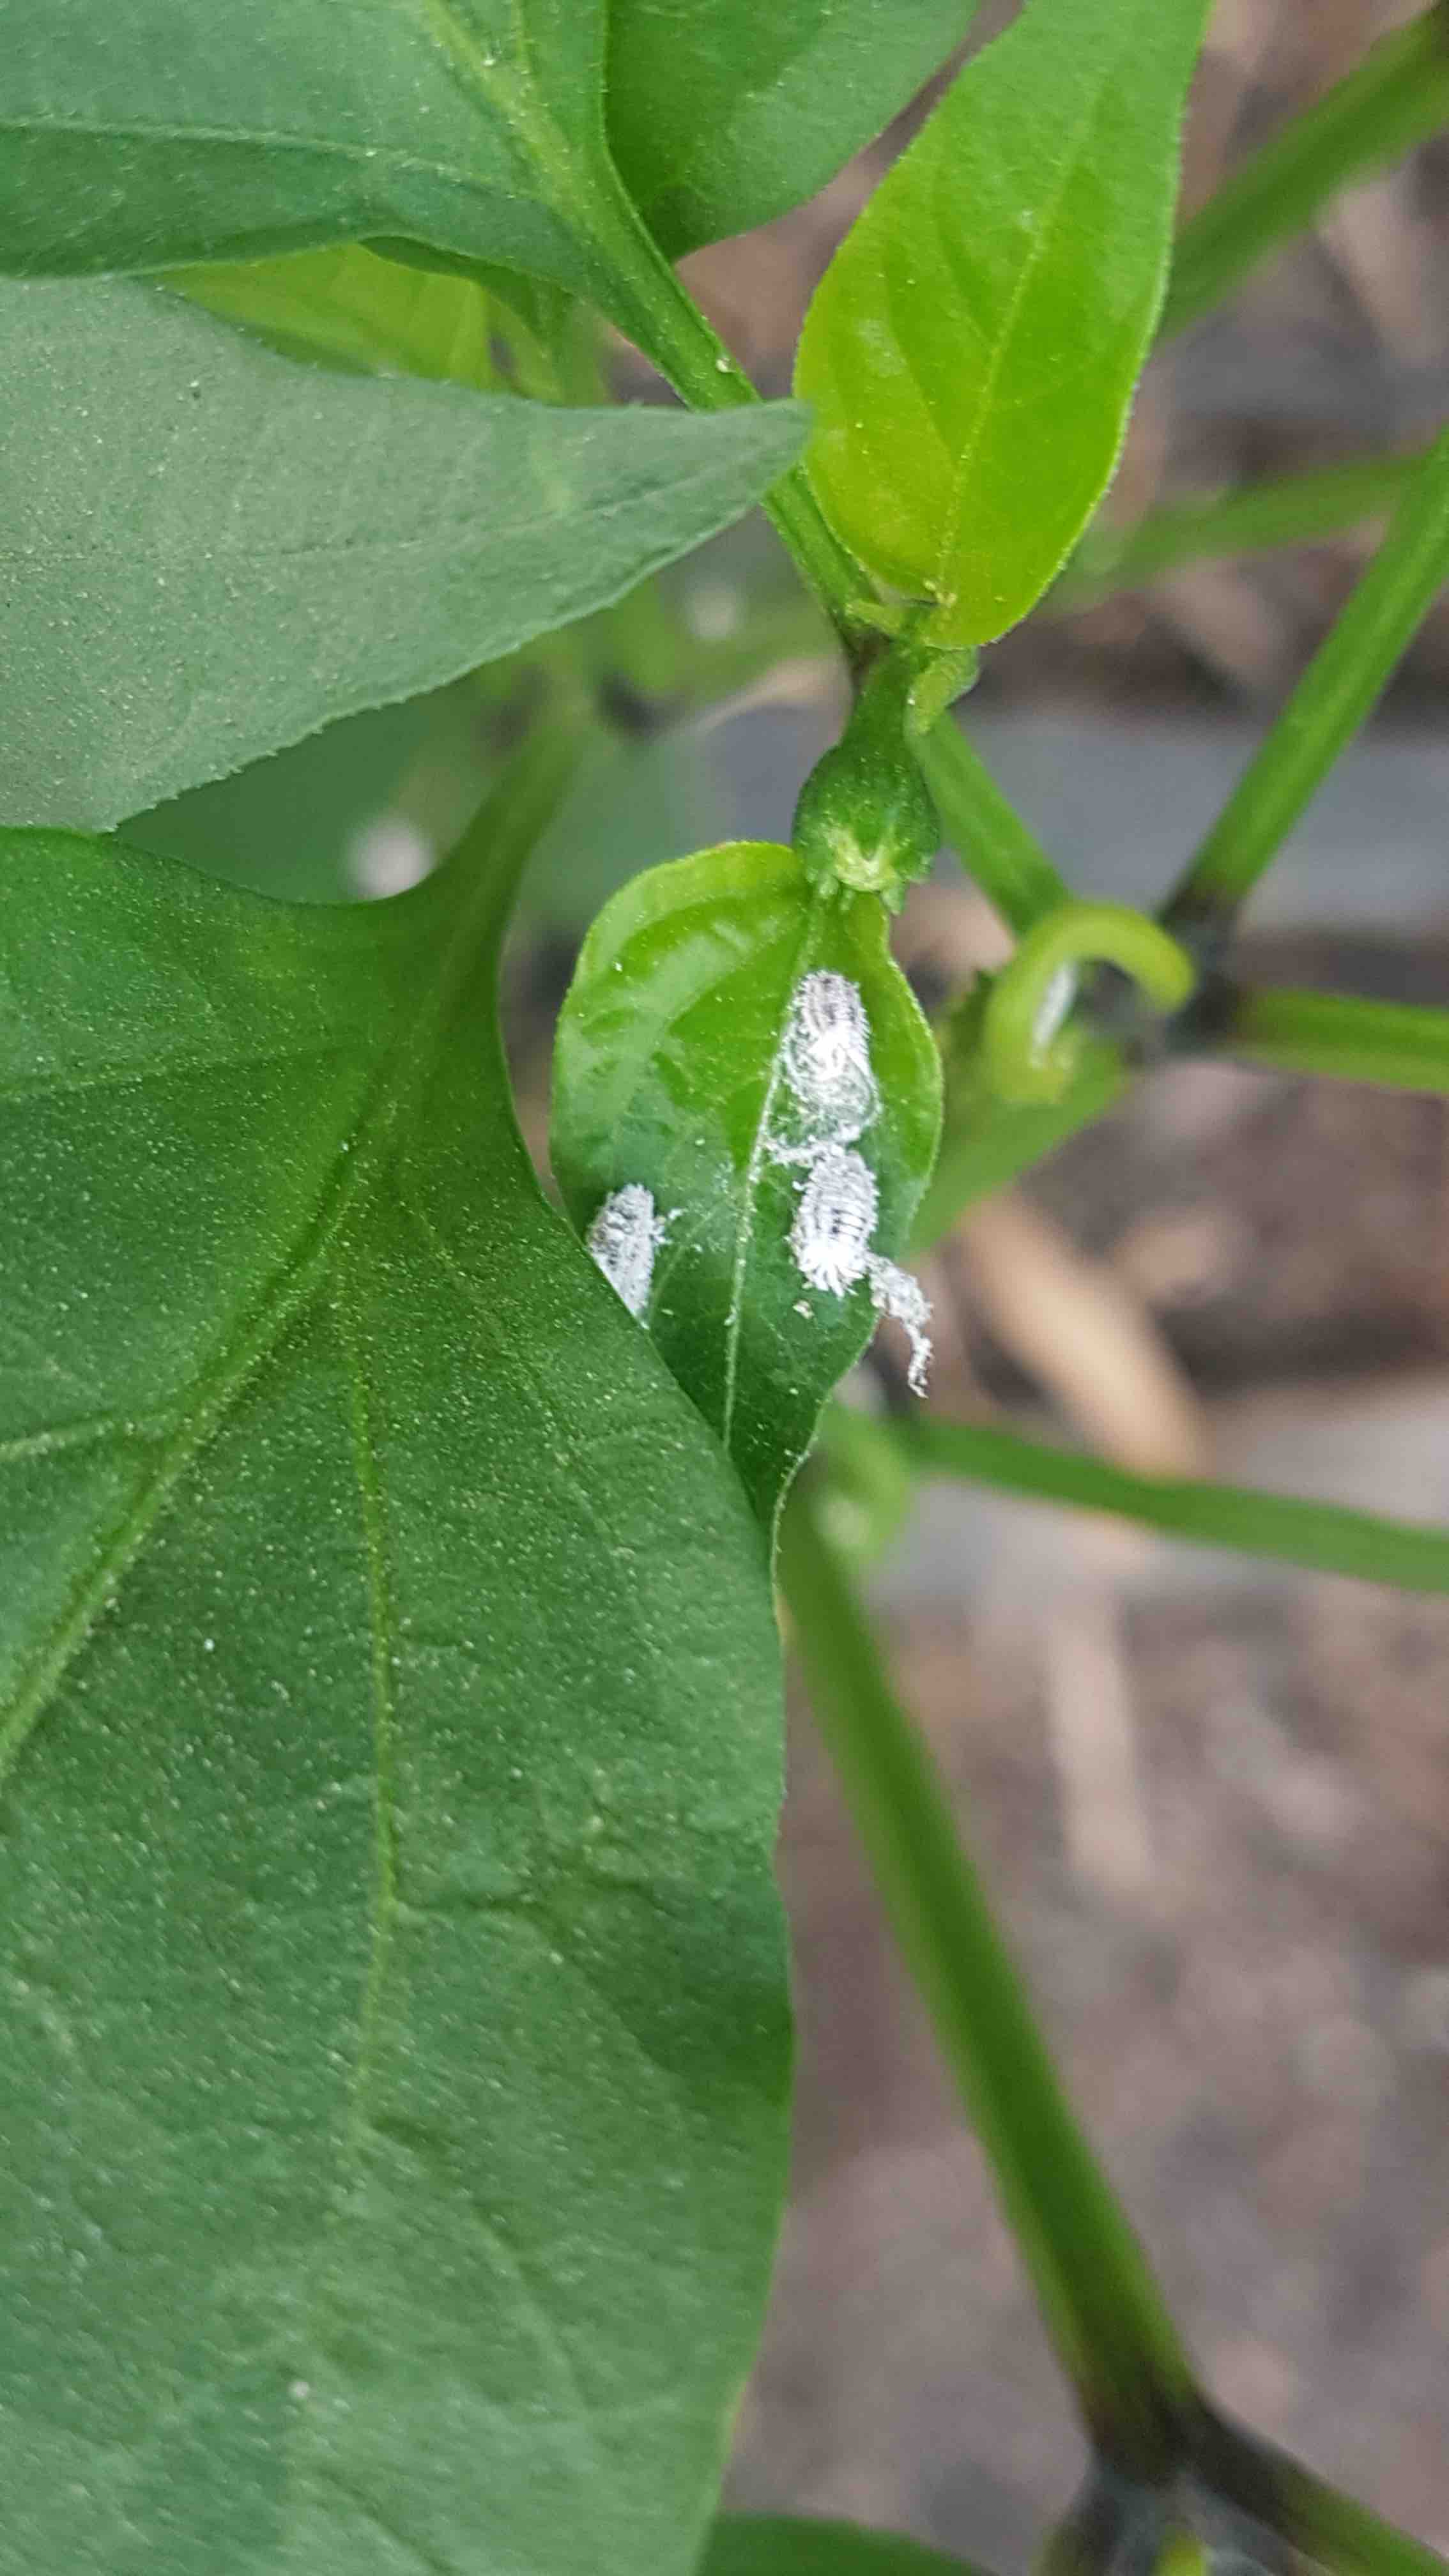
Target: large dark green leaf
x=393 y=2047
x=212 y=552
x=723 y=116
x=673 y=1075
x=769 y=2545
x=972 y=348
x=475 y=126
x=138 y=137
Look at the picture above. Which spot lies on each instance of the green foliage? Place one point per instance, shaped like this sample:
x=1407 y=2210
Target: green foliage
x=972 y=349
x=393 y=2031
x=765 y=2545
x=346 y=307
x=673 y=1073
x=392 y=2079
x=136 y=429
x=473 y=126
x=722 y=117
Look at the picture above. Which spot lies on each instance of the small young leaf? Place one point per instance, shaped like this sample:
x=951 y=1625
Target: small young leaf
x=392 y=2006
x=213 y=551
x=679 y=1073
x=973 y=346
x=723 y=117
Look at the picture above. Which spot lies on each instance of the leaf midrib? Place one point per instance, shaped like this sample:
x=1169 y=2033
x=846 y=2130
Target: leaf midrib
x=1041 y=238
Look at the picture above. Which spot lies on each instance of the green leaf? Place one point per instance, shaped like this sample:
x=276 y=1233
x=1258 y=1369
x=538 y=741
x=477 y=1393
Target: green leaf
x=347 y=307
x=214 y=552
x=393 y=2056
x=472 y=126
x=673 y=1075
x=1326 y=1536
x=973 y=346
x=769 y=2545
x=721 y=118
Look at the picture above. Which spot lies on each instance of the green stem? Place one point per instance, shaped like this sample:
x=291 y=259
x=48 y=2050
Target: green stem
x=1322 y=2525
x=1398 y=96
x=661 y=315
x=1329 y=704
x=996 y=847
x=1112 y=2333
x=1326 y=1536
x=1296 y=510
x=1399 y=1044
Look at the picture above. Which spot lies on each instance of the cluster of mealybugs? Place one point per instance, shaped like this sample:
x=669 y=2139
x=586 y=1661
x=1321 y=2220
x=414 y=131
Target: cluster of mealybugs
x=830 y=1096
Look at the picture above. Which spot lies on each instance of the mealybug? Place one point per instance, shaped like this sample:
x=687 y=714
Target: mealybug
x=834 y=1221
x=895 y=1293
x=827 y=1059
x=624 y=1238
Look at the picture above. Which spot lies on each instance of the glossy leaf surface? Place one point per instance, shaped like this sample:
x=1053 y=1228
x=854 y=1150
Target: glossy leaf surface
x=216 y=551
x=671 y=1074
x=771 y=2545
x=722 y=117
x=972 y=349
x=393 y=2047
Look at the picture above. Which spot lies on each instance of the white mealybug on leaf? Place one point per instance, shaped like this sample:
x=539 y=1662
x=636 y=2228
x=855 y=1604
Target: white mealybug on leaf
x=835 y=1219
x=895 y=1293
x=827 y=1062
x=623 y=1240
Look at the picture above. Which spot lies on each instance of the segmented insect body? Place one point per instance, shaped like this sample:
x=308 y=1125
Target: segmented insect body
x=834 y=1097
x=624 y=1238
x=835 y=1220
x=827 y=1064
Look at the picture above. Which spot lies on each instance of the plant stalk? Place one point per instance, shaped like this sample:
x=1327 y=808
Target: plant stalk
x=1331 y=701
x=1398 y=96
x=1112 y=2333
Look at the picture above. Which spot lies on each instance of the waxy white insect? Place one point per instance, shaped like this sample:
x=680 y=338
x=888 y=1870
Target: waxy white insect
x=826 y=1063
x=835 y=1220
x=896 y=1293
x=624 y=1238
x=834 y=1097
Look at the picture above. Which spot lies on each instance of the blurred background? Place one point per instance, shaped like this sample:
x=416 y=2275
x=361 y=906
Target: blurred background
x=1212 y=1799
